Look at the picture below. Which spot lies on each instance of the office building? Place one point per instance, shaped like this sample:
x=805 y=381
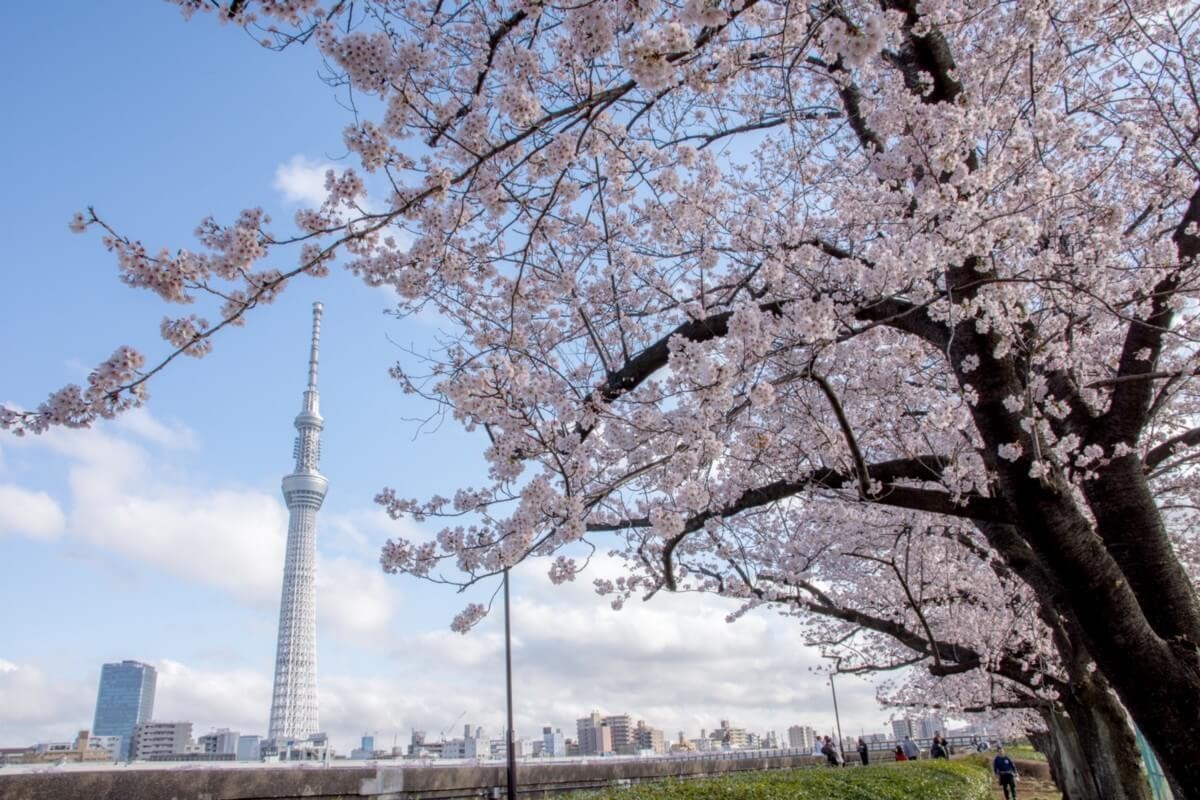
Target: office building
x=730 y=738
x=152 y=739
x=365 y=749
x=621 y=726
x=221 y=741
x=249 y=748
x=125 y=699
x=595 y=736
x=902 y=728
x=801 y=737
x=647 y=739
x=930 y=724
x=554 y=745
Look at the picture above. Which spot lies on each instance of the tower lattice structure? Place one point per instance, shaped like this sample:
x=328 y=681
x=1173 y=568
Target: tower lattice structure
x=294 y=700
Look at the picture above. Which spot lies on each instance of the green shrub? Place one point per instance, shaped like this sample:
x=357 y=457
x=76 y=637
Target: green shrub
x=935 y=780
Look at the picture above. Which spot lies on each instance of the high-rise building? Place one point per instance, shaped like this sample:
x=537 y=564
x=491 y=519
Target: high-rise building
x=595 y=736
x=125 y=698
x=554 y=744
x=220 y=741
x=801 y=737
x=471 y=745
x=621 y=726
x=647 y=738
x=294 y=699
x=903 y=727
x=929 y=725
x=732 y=738
x=161 y=739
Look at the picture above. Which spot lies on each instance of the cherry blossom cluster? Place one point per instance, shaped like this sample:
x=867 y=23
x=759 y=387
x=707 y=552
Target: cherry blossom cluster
x=114 y=386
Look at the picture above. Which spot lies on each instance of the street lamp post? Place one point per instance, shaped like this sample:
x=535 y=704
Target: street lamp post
x=837 y=718
x=511 y=748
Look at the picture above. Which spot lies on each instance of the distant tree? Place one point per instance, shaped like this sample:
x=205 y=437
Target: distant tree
x=707 y=261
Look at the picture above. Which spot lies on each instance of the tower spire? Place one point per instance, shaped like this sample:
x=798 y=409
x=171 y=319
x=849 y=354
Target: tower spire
x=315 y=349
x=294 y=699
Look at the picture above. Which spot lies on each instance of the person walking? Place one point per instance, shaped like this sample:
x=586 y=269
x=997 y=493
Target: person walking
x=900 y=754
x=938 y=747
x=1006 y=771
x=830 y=752
x=863 y=753
x=910 y=749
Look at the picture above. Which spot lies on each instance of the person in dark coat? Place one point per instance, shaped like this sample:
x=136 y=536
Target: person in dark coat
x=827 y=749
x=938 y=748
x=863 y=755
x=1006 y=771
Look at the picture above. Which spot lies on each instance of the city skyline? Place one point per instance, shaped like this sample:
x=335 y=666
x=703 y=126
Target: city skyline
x=126 y=698
x=167 y=524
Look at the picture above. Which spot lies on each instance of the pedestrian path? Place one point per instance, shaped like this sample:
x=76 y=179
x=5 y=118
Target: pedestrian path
x=1031 y=789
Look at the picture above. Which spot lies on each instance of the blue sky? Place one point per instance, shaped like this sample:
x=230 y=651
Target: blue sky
x=159 y=536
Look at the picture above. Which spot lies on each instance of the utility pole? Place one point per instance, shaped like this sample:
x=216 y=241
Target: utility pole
x=837 y=718
x=512 y=749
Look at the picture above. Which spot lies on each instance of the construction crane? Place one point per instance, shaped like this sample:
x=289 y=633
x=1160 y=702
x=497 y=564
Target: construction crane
x=442 y=732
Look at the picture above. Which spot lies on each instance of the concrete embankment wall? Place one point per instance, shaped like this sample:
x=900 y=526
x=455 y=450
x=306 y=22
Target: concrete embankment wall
x=382 y=782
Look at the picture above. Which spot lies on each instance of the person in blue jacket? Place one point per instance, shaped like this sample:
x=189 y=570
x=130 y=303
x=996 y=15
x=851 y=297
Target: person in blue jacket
x=1006 y=771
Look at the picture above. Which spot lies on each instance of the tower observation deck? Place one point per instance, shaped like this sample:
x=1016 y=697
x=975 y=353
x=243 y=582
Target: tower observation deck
x=294 y=699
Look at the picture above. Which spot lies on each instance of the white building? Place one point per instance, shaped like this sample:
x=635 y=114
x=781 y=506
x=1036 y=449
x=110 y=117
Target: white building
x=222 y=740
x=111 y=744
x=730 y=738
x=554 y=744
x=903 y=727
x=466 y=747
x=498 y=748
x=161 y=738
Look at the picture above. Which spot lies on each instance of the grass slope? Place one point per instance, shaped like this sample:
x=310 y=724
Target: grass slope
x=935 y=780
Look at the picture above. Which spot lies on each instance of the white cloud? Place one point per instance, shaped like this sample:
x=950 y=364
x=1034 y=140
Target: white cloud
x=40 y=707
x=673 y=661
x=139 y=422
x=230 y=538
x=354 y=598
x=147 y=507
x=239 y=699
x=302 y=180
x=28 y=513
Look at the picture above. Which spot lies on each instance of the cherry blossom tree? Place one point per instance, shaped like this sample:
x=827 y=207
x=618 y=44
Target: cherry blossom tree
x=972 y=635
x=706 y=262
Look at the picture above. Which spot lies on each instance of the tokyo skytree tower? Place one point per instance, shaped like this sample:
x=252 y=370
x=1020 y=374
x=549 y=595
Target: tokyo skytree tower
x=294 y=701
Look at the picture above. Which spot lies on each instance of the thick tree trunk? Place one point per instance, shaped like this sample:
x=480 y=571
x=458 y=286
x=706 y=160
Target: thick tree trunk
x=1091 y=751
x=1158 y=681
x=1064 y=754
x=1098 y=723
x=1157 y=678
x=1069 y=578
